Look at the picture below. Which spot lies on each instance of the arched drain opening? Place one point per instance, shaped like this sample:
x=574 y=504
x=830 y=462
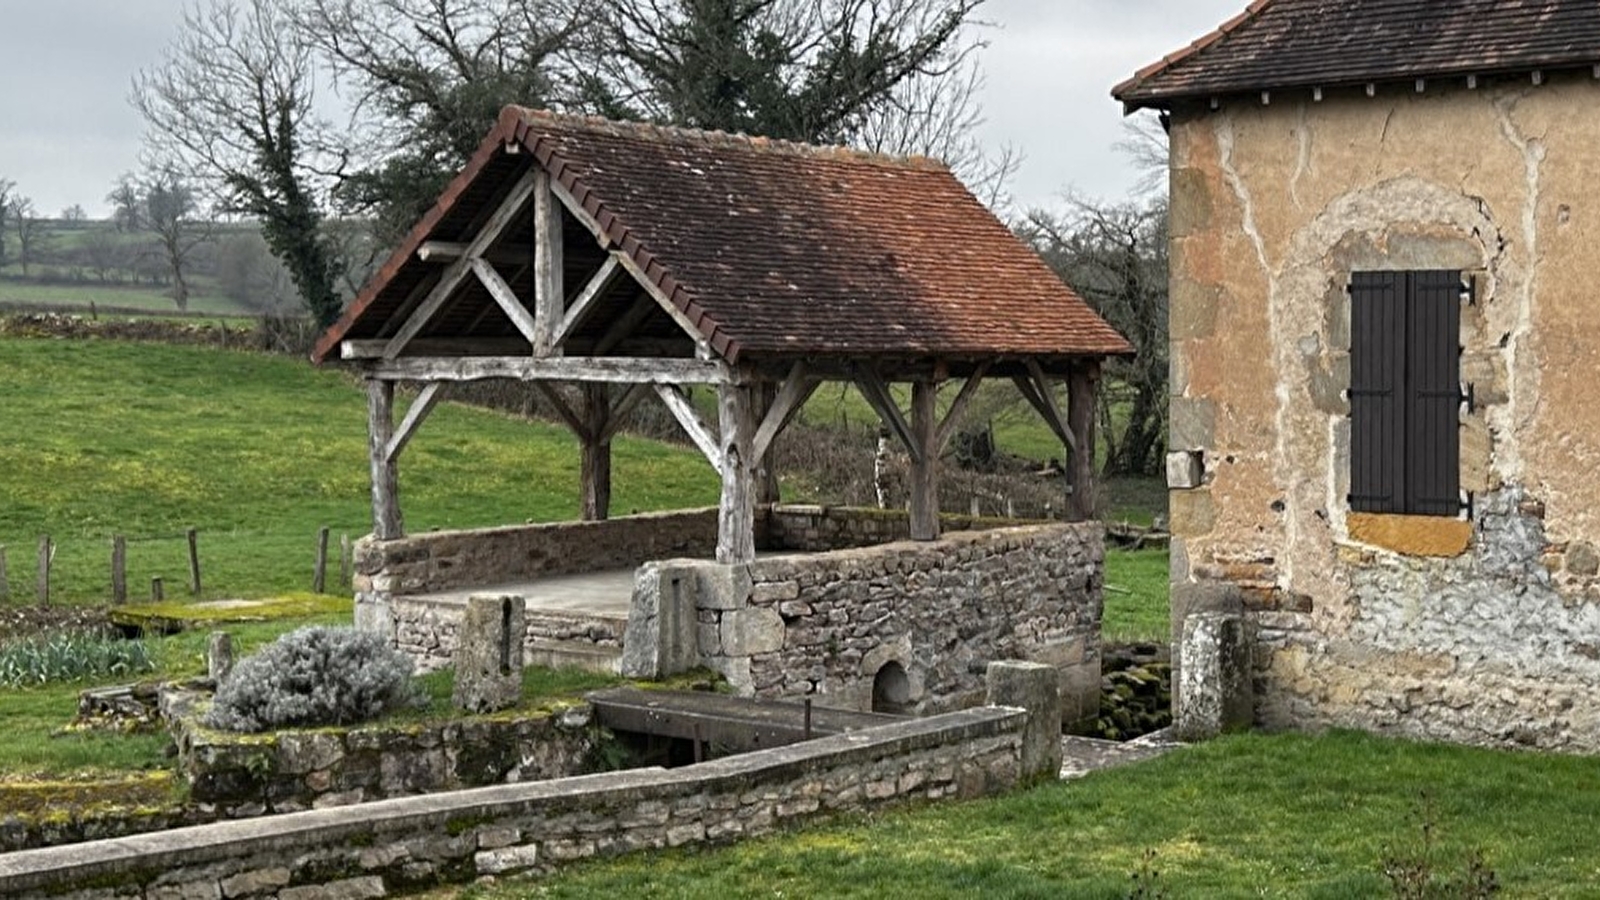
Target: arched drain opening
x=891 y=690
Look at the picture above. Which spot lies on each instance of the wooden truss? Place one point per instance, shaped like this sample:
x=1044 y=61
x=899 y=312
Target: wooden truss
x=592 y=392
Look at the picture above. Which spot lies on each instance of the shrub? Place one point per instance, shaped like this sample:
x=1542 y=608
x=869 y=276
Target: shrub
x=313 y=676
x=69 y=656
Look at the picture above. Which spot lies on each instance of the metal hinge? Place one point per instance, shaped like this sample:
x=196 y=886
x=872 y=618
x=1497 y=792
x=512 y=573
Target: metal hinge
x=1467 y=505
x=1469 y=291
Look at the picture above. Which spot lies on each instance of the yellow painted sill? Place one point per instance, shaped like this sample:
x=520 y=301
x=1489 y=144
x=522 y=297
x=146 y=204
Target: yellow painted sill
x=1411 y=535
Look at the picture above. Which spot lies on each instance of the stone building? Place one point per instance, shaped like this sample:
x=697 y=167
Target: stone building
x=1383 y=443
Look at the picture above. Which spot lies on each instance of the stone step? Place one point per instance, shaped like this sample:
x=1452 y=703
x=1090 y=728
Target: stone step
x=573 y=655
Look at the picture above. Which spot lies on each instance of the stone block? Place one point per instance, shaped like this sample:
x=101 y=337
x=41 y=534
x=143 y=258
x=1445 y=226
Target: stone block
x=1192 y=512
x=746 y=632
x=219 y=655
x=1185 y=469
x=300 y=752
x=488 y=653
x=723 y=587
x=1193 y=423
x=1216 y=689
x=661 y=638
x=1036 y=688
x=255 y=882
x=366 y=887
x=506 y=859
x=1190 y=598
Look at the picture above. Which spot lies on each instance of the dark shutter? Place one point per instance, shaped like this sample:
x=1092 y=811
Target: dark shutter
x=1377 y=395
x=1433 y=362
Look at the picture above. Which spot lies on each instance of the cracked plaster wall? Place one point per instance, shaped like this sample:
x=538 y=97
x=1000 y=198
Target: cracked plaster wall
x=1272 y=207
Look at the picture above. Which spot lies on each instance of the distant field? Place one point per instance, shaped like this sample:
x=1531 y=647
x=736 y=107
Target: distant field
x=89 y=294
x=99 y=438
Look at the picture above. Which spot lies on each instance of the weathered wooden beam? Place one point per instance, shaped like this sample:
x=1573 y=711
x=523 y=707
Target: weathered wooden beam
x=665 y=303
x=1038 y=396
x=1081 y=387
x=458 y=271
x=958 y=406
x=796 y=390
x=694 y=426
x=878 y=397
x=621 y=407
x=563 y=409
x=373 y=349
x=625 y=370
x=450 y=251
x=1052 y=409
x=580 y=214
x=584 y=303
x=924 y=464
x=595 y=499
x=386 y=520
x=423 y=404
x=506 y=299
x=736 y=511
x=549 y=293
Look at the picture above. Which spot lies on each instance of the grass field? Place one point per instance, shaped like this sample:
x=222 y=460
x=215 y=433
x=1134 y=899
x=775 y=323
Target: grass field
x=1136 y=596
x=100 y=438
x=204 y=299
x=1247 y=816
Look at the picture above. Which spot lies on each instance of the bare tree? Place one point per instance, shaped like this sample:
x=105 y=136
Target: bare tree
x=7 y=192
x=428 y=79
x=125 y=205
x=30 y=229
x=103 y=254
x=1115 y=256
x=74 y=214
x=233 y=103
x=168 y=208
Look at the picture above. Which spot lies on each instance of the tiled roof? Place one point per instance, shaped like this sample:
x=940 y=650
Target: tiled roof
x=773 y=248
x=1278 y=44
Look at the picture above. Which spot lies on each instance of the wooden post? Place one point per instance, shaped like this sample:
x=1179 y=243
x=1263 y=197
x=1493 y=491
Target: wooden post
x=5 y=579
x=193 y=537
x=119 y=569
x=736 y=516
x=319 y=577
x=346 y=561
x=1081 y=384
x=156 y=593
x=549 y=293
x=596 y=450
x=46 y=552
x=924 y=466
x=386 y=522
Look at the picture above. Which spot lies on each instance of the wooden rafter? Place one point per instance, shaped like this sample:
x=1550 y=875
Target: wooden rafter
x=1035 y=388
x=702 y=349
x=693 y=425
x=423 y=404
x=796 y=390
x=506 y=298
x=462 y=267
x=583 y=304
x=623 y=370
x=878 y=397
x=450 y=251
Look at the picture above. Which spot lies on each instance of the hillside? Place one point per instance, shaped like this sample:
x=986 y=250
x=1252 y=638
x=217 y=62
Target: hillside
x=100 y=438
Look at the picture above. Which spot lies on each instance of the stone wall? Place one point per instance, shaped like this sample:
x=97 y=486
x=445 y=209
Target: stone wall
x=425 y=629
x=393 y=845
x=928 y=615
x=1481 y=630
x=814 y=529
x=240 y=775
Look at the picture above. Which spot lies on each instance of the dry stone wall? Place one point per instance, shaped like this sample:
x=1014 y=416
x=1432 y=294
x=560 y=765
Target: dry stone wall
x=395 y=845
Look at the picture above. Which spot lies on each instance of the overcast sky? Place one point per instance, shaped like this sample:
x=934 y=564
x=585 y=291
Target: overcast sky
x=66 y=130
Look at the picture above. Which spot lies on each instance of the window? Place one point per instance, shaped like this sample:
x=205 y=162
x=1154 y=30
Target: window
x=1405 y=392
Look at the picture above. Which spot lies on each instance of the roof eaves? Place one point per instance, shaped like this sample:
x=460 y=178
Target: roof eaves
x=1128 y=91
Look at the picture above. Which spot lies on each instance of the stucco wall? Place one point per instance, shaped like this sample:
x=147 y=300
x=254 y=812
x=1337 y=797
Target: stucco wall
x=1272 y=207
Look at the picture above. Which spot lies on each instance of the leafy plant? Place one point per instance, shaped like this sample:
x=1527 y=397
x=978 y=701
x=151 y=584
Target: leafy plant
x=71 y=656
x=1147 y=879
x=314 y=676
x=1424 y=872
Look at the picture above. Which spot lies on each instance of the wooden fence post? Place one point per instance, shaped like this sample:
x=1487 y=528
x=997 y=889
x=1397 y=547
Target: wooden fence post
x=194 y=560
x=5 y=582
x=346 y=561
x=319 y=578
x=46 y=552
x=156 y=593
x=119 y=569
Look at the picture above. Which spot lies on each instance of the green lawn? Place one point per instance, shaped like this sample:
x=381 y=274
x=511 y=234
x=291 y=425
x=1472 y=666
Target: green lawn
x=1246 y=816
x=1136 y=595
x=99 y=438
x=203 y=299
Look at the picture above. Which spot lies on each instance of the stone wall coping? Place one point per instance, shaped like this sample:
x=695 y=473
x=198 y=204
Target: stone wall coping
x=952 y=539
x=564 y=524
x=30 y=870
